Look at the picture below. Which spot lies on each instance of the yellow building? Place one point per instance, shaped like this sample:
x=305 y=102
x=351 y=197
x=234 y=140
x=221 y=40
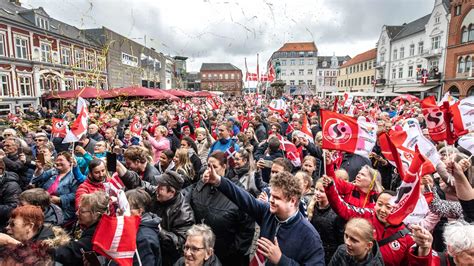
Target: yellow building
x=357 y=74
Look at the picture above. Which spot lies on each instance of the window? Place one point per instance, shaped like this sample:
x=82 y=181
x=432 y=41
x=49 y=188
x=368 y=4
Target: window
x=357 y=68
x=382 y=57
x=435 y=42
x=400 y=73
x=226 y=76
x=81 y=84
x=360 y=81
x=301 y=62
x=420 y=47
x=394 y=73
x=283 y=72
x=365 y=66
x=46 y=52
x=402 y=52
x=301 y=72
x=301 y=54
x=310 y=62
x=395 y=52
x=364 y=81
x=325 y=64
x=2 y=44
x=345 y=83
x=468 y=64
x=68 y=84
x=292 y=82
x=220 y=76
x=232 y=76
x=471 y=32
x=4 y=90
x=65 y=56
x=457 y=10
x=434 y=63
x=300 y=82
x=203 y=76
x=309 y=82
x=410 y=71
x=90 y=61
x=437 y=19
x=310 y=54
x=310 y=71
x=370 y=64
x=79 y=58
x=292 y=72
x=292 y=62
x=25 y=86
x=412 y=49
x=283 y=62
x=461 y=65
x=42 y=23
x=21 y=45
x=320 y=73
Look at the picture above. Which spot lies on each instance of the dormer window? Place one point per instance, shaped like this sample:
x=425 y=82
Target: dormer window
x=42 y=23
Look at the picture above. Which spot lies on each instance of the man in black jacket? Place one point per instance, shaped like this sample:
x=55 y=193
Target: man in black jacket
x=267 y=151
x=260 y=130
x=136 y=160
x=170 y=205
x=9 y=192
x=11 y=158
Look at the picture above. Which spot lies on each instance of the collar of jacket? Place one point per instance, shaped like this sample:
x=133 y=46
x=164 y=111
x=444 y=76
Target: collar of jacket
x=290 y=220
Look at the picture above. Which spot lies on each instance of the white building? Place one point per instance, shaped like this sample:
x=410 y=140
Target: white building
x=327 y=72
x=404 y=52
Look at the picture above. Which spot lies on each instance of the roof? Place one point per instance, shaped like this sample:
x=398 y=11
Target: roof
x=19 y=14
x=340 y=60
x=298 y=47
x=362 y=57
x=218 y=66
x=392 y=31
x=413 y=27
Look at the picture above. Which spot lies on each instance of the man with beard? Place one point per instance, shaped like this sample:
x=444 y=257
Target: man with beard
x=95 y=180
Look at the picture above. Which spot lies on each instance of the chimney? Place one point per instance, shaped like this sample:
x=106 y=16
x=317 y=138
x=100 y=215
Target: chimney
x=16 y=2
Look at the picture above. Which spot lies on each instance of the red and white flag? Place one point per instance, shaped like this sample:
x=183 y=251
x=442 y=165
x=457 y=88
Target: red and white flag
x=230 y=154
x=306 y=130
x=258 y=259
x=82 y=105
x=344 y=133
x=59 y=128
x=116 y=238
x=448 y=98
x=348 y=98
x=290 y=151
x=434 y=116
x=463 y=116
x=467 y=142
x=136 y=127
x=13 y=118
x=212 y=103
x=271 y=73
x=77 y=128
x=278 y=105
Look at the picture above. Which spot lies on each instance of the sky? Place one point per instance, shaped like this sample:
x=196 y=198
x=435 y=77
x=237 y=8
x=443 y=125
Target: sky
x=228 y=31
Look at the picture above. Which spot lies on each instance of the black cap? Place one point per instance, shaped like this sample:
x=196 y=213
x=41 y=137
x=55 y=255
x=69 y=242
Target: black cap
x=172 y=179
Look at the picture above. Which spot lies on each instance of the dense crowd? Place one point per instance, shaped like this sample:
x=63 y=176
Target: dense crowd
x=214 y=185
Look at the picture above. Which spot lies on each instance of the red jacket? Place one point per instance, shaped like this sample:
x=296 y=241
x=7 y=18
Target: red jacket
x=433 y=259
x=350 y=193
x=87 y=187
x=393 y=253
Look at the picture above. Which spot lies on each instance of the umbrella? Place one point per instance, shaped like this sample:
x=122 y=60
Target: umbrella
x=407 y=97
x=86 y=93
x=180 y=93
x=169 y=96
x=137 y=92
x=203 y=94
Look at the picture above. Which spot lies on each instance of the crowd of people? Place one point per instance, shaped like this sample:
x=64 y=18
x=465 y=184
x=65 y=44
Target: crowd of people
x=215 y=186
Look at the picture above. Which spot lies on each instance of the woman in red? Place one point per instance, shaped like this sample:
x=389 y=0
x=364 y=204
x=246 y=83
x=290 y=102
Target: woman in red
x=394 y=240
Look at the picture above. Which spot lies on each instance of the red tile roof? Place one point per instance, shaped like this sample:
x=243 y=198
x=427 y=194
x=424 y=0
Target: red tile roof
x=365 y=56
x=298 y=47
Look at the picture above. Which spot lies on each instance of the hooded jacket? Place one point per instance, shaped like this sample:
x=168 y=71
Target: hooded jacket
x=9 y=192
x=341 y=258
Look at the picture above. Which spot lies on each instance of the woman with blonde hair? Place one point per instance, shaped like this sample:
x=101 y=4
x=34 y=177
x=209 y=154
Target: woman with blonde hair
x=203 y=143
x=360 y=247
x=184 y=167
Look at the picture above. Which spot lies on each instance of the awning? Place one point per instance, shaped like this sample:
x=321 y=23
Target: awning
x=414 y=89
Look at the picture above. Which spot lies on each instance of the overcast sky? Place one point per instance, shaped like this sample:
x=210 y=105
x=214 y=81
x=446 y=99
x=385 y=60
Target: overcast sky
x=230 y=30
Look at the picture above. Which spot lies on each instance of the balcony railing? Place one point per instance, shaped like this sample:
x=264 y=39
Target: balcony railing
x=431 y=53
x=379 y=65
x=380 y=82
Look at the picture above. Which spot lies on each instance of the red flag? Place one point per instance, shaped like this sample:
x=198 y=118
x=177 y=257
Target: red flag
x=212 y=103
x=434 y=116
x=290 y=150
x=271 y=73
x=340 y=132
x=463 y=116
x=334 y=109
x=58 y=127
x=116 y=238
x=305 y=129
x=13 y=118
x=136 y=127
x=409 y=190
x=257 y=260
x=79 y=126
x=230 y=153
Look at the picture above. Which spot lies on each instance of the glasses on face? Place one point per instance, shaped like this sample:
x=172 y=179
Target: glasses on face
x=7 y=135
x=192 y=249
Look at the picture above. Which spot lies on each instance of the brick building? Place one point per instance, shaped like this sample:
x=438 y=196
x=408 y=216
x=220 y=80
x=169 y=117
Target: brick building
x=39 y=54
x=459 y=79
x=223 y=77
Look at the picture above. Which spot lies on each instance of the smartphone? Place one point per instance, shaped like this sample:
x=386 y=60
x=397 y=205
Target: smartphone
x=267 y=163
x=91 y=257
x=111 y=161
x=40 y=158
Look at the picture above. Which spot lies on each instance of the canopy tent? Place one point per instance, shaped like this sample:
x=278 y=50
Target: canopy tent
x=180 y=93
x=85 y=93
x=367 y=94
x=204 y=94
x=168 y=95
x=140 y=92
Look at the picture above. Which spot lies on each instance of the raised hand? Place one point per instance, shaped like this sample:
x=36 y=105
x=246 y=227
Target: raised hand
x=211 y=177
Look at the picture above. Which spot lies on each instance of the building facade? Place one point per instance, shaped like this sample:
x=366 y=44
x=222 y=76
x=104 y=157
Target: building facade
x=128 y=62
x=40 y=55
x=407 y=53
x=327 y=73
x=193 y=81
x=459 y=79
x=297 y=63
x=223 y=77
x=358 y=74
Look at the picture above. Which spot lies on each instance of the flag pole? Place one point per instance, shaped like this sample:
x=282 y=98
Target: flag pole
x=324 y=161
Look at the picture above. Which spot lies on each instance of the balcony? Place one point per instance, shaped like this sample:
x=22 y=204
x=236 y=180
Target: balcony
x=380 y=82
x=379 y=65
x=432 y=53
x=433 y=75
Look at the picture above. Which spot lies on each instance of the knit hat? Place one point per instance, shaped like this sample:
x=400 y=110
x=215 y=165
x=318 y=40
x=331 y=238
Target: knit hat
x=172 y=179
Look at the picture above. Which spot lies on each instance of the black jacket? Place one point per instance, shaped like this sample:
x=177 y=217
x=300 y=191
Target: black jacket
x=352 y=163
x=148 y=243
x=13 y=164
x=233 y=228
x=260 y=154
x=71 y=253
x=261 y=133
x=53 y=215
x=97 y=136
x=212 y=261
x=9 y=192
x=341 y=258
x=330 y=227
